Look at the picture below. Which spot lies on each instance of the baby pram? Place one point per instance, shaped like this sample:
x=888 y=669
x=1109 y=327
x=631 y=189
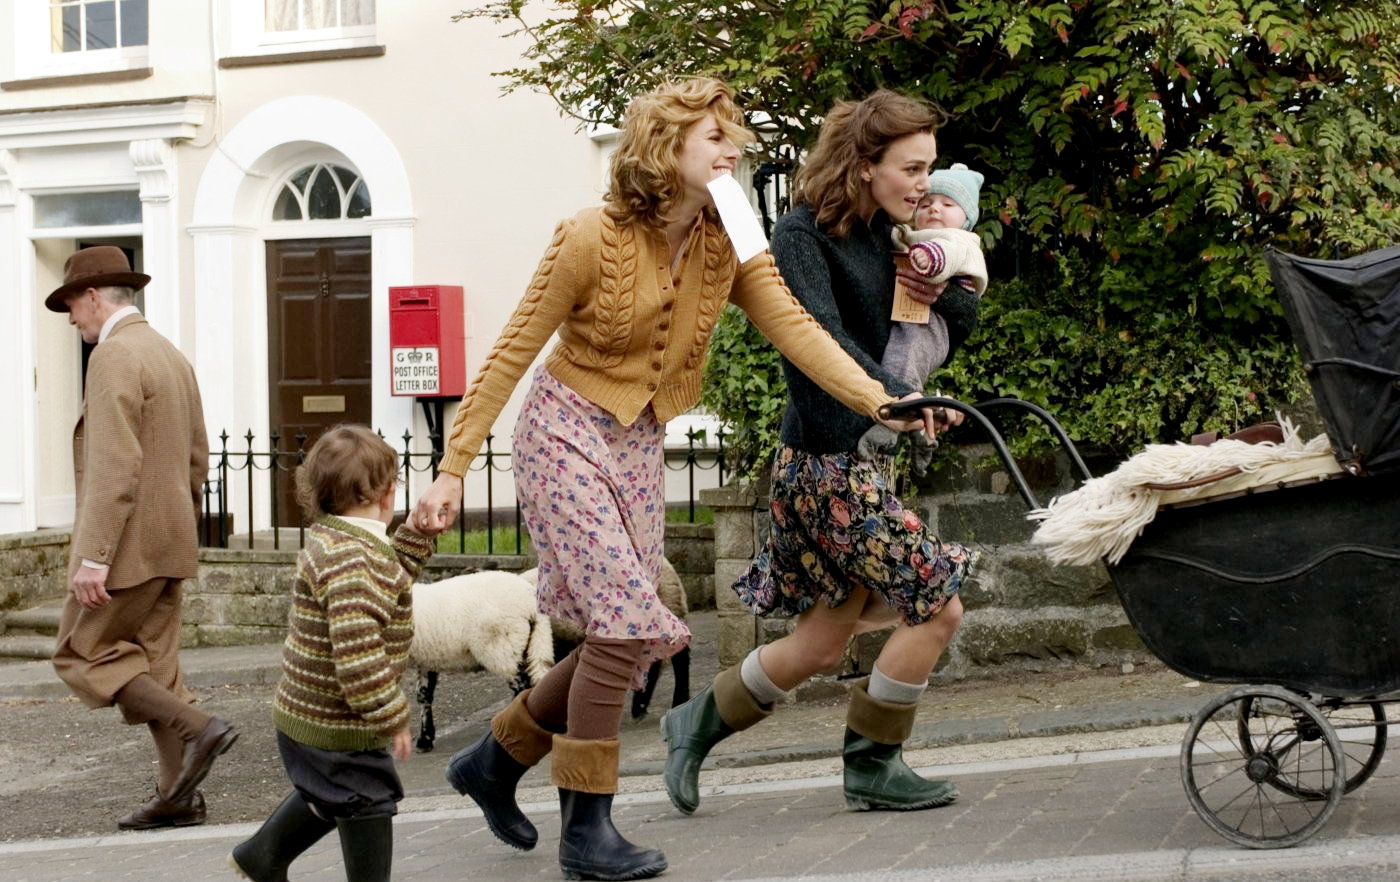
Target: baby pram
x=1292 y=591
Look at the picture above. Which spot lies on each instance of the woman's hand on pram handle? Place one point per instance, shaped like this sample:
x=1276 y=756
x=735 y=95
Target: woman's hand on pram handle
x=908 y=415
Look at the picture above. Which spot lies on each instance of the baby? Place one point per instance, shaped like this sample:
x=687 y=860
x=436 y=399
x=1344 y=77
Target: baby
x=942 y=246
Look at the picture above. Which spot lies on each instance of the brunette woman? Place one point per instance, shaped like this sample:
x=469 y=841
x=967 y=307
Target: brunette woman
x=844 y=554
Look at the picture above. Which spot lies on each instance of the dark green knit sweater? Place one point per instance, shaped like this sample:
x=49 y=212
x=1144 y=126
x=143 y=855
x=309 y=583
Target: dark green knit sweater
x=348 y=635
x=847 y=284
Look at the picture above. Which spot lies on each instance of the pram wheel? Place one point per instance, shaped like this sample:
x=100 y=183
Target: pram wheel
x=1360 y=727
x=1248 y=756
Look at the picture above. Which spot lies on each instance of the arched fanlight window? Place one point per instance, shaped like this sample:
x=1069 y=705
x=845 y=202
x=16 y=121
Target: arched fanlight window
x=322 y=192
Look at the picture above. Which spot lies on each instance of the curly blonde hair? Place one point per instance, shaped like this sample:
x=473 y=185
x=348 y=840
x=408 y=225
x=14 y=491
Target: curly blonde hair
x=644 y=179
x=854 y=133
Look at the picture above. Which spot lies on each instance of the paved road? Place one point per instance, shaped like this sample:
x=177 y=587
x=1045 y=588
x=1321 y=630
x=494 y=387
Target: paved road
x=1103 y=815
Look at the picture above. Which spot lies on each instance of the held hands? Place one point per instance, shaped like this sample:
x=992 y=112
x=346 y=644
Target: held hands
x=919 y=286
x=437 y=509
x=89 y=587
x=401 y=744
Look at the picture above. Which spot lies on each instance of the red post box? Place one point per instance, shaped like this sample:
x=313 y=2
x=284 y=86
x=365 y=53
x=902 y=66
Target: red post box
x=427 y=341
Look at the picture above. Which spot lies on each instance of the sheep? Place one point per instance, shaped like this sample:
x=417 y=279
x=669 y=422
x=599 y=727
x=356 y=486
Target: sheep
x=489 y=620
x=480 y=620
x=671 y=591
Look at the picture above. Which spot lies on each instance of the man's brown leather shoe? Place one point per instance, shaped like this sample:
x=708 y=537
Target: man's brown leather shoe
x=217 y=737
x=161 y=812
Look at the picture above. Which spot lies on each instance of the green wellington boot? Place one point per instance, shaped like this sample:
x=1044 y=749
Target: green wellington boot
x=875 y=775
x=724 y=707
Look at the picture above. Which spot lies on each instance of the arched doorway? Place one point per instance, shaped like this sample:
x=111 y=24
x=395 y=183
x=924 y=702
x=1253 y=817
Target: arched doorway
x=245 y=217
x=320 y=360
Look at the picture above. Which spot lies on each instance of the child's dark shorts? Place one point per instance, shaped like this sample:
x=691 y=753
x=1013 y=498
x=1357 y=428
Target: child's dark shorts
x=342 y=783
x=837 y=526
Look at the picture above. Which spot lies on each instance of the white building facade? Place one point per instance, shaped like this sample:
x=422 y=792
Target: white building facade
x=276 y=166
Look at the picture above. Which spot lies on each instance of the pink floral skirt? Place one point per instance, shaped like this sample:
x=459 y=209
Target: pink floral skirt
x=592 y=496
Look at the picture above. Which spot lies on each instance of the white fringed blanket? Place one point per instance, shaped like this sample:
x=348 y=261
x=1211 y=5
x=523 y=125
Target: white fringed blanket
x=1103 y=517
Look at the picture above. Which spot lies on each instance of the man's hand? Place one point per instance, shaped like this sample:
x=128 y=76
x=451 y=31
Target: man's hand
x=437 y=509
x=919 y=287
x=401 y=744
x=89 y=588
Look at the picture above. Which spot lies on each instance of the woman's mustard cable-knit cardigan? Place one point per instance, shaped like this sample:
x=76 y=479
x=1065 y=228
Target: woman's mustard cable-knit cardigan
x=628 y=336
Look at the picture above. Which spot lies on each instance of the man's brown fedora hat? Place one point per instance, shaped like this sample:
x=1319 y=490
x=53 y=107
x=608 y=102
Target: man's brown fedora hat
x=95 y=267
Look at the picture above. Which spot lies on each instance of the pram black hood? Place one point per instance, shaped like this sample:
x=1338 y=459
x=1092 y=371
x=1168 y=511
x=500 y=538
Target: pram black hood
x=1345 y=317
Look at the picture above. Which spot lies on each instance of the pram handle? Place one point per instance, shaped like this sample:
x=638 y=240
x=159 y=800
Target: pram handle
x=912 y=407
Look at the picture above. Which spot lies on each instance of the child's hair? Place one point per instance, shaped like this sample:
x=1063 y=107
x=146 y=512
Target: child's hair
x=347 y=466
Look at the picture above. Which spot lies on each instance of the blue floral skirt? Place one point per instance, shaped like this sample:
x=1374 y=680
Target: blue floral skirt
x=836 y=527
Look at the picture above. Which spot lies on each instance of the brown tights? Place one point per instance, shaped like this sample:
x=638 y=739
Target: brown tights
x=582 y=696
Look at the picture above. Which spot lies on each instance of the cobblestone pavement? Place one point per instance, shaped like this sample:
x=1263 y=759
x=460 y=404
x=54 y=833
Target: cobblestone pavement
x=1109 y=815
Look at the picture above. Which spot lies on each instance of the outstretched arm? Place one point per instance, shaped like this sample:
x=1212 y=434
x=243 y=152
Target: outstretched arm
x=546 y=303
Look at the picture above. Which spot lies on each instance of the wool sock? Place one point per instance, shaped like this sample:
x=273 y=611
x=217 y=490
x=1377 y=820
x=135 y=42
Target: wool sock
x=143 y=699
x=755 y=679
x=893 y=691
x=170 y=753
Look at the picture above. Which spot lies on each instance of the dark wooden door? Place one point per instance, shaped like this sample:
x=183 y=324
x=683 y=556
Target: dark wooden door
x=318 y=317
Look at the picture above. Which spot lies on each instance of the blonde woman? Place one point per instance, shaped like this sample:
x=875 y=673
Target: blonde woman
x=634 y=288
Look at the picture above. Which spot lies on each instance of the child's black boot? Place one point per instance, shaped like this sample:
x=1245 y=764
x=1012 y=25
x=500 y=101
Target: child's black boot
x=291 y=829
x=367 y=844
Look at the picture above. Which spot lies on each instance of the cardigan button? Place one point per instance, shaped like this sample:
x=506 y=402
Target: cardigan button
x=651 y=387
x=656 y=365
x=666 y=307
x=663 y=326
x=660 y=346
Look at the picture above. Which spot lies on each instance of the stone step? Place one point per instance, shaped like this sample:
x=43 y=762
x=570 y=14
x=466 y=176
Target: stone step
x=36 y=620
x=30 y=646
x=984 y=518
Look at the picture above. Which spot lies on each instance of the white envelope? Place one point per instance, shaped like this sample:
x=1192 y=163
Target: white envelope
x=737 y=216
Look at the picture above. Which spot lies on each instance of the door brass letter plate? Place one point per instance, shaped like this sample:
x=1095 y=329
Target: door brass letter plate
x=323 y=404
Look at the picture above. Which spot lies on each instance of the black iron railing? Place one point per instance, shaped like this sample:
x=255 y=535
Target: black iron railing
x=275 y=468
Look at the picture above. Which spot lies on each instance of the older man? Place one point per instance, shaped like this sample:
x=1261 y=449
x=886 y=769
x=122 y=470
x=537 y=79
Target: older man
x=140 y=457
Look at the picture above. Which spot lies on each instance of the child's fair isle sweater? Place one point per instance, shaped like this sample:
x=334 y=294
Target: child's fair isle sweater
x=348 y=637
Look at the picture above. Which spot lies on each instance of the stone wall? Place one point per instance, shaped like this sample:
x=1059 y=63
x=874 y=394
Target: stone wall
x=691 y=550
x=33 y=568
x=1018 y=605
x=741 y=524
x=242 y=596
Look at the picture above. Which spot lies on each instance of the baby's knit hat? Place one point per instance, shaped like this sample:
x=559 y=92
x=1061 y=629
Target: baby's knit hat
x=962 y=185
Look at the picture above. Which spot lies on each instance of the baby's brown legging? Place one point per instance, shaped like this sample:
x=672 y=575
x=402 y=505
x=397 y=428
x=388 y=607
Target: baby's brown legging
x=582 y=695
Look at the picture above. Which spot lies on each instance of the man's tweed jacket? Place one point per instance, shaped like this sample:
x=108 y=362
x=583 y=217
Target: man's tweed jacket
x=140 y=457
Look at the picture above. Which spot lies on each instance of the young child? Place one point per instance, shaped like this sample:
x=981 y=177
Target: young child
x=942 y=246
x=339 y=704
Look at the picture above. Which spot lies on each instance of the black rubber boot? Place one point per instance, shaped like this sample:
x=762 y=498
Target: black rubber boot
x=288 y=832
x=490 y=770
x=367 y=845
x=489 y=775
x=590 y=846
